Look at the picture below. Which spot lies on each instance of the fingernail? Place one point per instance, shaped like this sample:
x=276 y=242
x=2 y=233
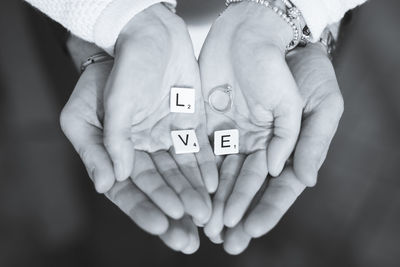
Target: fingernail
x=119 y=171
x=230 y=222
x=217 y=239
x=198 y=223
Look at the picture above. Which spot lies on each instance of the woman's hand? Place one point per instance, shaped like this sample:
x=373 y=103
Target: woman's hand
x=154 y=53
x=246 y=49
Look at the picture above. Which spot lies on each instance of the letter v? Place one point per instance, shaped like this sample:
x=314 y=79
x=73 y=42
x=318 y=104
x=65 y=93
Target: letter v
x=187 y=139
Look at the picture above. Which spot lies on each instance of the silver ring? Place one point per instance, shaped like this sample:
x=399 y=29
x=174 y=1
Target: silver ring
x=96 y=58
x=227 y=89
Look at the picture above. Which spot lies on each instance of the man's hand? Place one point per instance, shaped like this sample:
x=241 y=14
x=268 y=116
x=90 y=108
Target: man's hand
x=324 y=107
x=246 y=49
x=147 y=198
x=154 y=53
x=180 y=235
x=316 y=78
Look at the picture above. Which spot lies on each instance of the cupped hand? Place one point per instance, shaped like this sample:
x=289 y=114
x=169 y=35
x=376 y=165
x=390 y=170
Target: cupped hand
x=246 y=49
x=153 y=54
x=146 y=198
x=179 y=235
x=318 y=86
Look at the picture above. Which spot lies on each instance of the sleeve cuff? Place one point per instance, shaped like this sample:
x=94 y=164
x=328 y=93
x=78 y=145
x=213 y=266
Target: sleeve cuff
x=115 y=16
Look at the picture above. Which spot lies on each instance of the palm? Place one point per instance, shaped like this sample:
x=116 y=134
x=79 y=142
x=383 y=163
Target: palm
x=251 y=112
x=152 y=125
x=266 y=104
x=81 y=121
x=318 y=86
x=155 y=54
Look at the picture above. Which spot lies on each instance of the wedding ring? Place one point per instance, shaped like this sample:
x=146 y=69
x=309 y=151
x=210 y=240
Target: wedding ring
x=220 y=98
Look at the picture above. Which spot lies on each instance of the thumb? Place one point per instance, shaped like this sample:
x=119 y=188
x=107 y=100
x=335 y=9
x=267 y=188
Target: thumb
x=287 y=121
x=316 y=135
x=86 y=140
x=117 y=137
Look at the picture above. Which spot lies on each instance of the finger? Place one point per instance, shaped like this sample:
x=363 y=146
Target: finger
x=207 y=163
x=138 y=207
x=252 y=176
x=318 y=130
x=218 y=239
x=117 y=124
x=87 y=141
x=236 y=240
x=278 y=197
x=188 y=166
x=177 y=236
x=121 y=150
x=287 y=121
x=146 y=176
x=198 y=223
x=194 y=240
x=228 y=173
x=192 y=201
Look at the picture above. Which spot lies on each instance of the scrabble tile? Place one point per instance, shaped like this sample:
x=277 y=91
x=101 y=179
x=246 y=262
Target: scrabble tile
x=185 y=142
x=226 y=142
x=182 y=100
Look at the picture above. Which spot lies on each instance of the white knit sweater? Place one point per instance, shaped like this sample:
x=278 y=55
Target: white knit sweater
x=96 y=21
x=100 y=21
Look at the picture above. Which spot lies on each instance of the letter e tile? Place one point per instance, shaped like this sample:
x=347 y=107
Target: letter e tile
x=226 y=142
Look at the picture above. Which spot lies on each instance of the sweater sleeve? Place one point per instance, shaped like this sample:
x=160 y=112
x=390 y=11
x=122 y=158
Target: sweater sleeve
x=321 y=13
x=96 y=21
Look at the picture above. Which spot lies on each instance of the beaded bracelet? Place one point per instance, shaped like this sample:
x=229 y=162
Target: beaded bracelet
x=305 y=31
x=292 y=16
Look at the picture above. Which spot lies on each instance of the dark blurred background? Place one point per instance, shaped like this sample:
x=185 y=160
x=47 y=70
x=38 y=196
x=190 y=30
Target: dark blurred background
x=50 y=214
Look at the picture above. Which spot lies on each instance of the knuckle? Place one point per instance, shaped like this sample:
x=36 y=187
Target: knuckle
x=84 y=153
x=340 y=104
x=159 y=190
x=65 y=119
x=286 y=133
x=119 y=190
x=254 y=175
x=336 y=102
x=142 y=176
x=189 y=192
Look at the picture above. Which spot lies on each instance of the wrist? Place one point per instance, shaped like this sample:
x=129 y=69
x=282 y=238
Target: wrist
x=81 y=50
x=265 y=24
x=153 y=22
x=115 y=16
